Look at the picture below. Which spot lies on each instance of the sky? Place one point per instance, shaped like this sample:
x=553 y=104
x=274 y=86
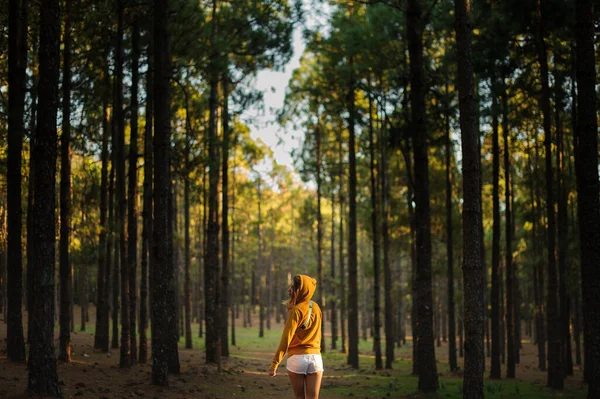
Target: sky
x=273 y=85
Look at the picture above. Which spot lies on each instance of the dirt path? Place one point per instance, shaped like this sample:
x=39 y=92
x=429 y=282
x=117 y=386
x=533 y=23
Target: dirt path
x=97 y=375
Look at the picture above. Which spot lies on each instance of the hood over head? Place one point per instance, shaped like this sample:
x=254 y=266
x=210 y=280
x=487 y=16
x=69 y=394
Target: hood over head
x=308 y=286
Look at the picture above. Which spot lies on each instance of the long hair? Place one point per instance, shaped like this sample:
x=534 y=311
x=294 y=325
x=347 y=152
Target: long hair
x=293 y=297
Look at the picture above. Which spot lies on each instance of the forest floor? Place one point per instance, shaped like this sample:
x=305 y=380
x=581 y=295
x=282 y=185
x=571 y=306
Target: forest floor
x=97 y=375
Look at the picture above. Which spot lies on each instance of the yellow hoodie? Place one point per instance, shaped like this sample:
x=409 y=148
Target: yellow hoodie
x=295 y=341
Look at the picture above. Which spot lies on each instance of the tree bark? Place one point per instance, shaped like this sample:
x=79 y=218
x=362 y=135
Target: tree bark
x=555 y=369
x=161 y=269
x=224 y=311
x=30 y=185
x=101 y=335
x=333 y=301
x=539 y=270
x=111 y=248
x=43 y=379
x=121 y=201
x=563 y=229
x=64 y=351
x=320 y=286
x=428 y=377
x=17 y=64
x=132 y=222
x=510 y=328
x=473 y=271
x=147 y=210
x=450 y=247
x=173 y=291
x=211 y=257
x=376 y=243
x=495 y=370
x=586 y=166
x=352 y=249
x=341 y=253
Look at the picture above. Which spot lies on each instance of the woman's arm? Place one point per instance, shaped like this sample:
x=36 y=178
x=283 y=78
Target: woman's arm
x=286 y=337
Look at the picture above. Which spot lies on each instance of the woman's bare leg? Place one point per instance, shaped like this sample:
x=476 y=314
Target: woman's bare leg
x=313 y=385
x=297 y=381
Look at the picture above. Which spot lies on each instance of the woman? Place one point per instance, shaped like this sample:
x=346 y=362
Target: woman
x=301 y=339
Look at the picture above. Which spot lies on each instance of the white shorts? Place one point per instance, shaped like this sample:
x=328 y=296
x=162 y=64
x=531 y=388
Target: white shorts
x=304 y=364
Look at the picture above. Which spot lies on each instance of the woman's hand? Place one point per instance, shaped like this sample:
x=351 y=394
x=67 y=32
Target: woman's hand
x=272 y=373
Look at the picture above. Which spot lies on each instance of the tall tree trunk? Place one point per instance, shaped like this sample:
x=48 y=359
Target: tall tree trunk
x=352 y=249
x=225 y=222
x=211 y=257
x=111 y=248
x=43 y=379
x=387 y=269
x=495 y=371
x=30 y=187
x=121 y=201
x=162 y=276
x=259 y=266
x=577 y=330
x=341 y=253
x=188 y=261
x=539 y=270
x=376 y=243
x=101 y=335
x=334 y=292
x=473 y=271
x=17 y=64
x=320 y=285
x=461 y=341
x=586 y=166
x=555 y=370
x=510 y=329
x=576 y=311
x=64 y=352
x=428 y=377
x=413 y=254
x=147 y=210
x=203 y=243
x=132 y=222
x=563 y=229
x=173 y=291
x=450 y=247
x=235 y=292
